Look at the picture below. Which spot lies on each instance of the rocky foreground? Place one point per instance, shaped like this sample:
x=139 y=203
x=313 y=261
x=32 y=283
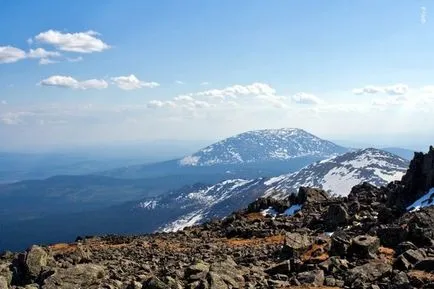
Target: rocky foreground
x=365 y=240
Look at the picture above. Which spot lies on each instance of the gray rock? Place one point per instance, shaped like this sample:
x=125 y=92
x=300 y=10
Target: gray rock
x=368 y=272
x=314 y=277
x=216 y=282
x=400 y=281
x=78 y=276
x=36 y=259
x=295 y=244
x=340 y=244
x=3 y=283
x=6 y=273
x=311 y=195
x=281 y=268
x=365 y=246
x=335 y=216
x=197 y=271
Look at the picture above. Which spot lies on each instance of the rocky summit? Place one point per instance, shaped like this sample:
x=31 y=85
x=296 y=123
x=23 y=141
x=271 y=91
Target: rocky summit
x=372 y=238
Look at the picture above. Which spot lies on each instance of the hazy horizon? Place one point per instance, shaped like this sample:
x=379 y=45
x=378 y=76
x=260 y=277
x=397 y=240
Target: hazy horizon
x=208 y=70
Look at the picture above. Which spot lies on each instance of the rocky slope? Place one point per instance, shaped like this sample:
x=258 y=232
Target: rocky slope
x=263 y=145
x=365 y=240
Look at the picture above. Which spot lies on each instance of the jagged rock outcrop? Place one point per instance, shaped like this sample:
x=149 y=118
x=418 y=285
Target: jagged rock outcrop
x=417 y=181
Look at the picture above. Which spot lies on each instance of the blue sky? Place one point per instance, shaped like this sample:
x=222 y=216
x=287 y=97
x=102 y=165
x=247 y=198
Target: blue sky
x=102 y=71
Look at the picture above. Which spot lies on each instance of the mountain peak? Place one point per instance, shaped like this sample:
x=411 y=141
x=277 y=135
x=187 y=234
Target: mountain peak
x=261 y=146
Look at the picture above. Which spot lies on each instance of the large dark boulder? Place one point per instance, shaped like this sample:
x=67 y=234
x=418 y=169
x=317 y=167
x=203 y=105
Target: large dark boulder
x=365 y=246
x=335 y=216
x=311 y=195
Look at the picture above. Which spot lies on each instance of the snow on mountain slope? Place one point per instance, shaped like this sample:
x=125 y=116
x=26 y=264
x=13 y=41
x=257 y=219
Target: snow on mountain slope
x=194 y=204
x=263 y=145
x=339 y=174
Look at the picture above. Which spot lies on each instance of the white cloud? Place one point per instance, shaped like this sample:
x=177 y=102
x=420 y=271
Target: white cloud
x=81 y=42
x=234 y=91
x=93 y=83
x=45 y=61
x=428 y=89
x=70 y=82
x=9 y=54
x=390 y=101
x=42 y=53
x=30 y=41
x=423 y=15
x=396 y=89
x=179 y=82
x=204 y=83
x=14 y=118
x=275 y=100
x=159 y=104
x=183 y=98
x=131 y=82
x=76 y=59
x=4 y=102
x=306 y=98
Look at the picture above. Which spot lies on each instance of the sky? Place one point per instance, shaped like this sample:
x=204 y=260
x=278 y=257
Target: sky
x=99 y=72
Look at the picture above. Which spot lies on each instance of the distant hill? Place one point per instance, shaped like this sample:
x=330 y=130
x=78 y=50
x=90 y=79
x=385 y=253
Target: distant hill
x=271 y=151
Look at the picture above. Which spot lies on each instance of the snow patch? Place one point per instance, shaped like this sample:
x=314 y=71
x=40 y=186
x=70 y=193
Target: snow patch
x=183 y=222
x=149 y=205
x=189 y=161
x=270 y=211
x=424 y=201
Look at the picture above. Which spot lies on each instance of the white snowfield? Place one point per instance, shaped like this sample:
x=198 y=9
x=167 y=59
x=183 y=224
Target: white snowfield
x=424 y=201
x=263 y=145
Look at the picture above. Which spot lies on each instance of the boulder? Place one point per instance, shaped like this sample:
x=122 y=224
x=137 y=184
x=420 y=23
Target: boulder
x=295 y=244
x=197 y=271
x=399 y=280
x=311 y=195
x=340 y=244
x=365 y=246
x=391 y=236
x=314 y=277
x=5 y=273
x=80 y=276
x=227 y=270
x=4 y=284
x=335 y=216
x=36 y=258
x=281 y=268
x=216 y=281
x=368 y=272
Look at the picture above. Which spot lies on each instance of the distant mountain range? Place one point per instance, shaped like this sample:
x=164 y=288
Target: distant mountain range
x=247 y=155
x=170 y=195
